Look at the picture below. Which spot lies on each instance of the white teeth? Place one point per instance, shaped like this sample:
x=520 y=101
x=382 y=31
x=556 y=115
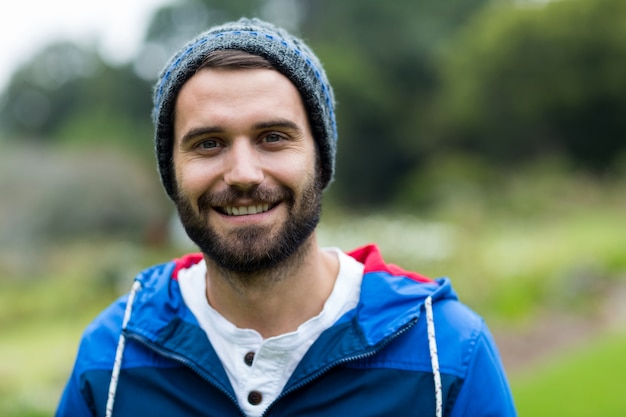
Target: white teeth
x=243 y=210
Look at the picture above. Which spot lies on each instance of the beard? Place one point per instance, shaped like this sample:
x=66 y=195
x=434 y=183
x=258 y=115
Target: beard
x=252 y=249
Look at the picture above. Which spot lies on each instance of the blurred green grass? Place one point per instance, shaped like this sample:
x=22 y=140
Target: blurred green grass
x=36 y=359
x=583 y=381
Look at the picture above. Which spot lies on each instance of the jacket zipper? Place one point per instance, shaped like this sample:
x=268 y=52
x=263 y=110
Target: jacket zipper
x=328 y=367
x=183 y=361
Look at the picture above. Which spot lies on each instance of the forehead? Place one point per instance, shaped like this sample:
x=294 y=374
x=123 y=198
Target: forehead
x=234 y=95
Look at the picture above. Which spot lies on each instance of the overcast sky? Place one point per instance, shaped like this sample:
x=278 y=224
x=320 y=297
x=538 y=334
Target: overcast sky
x=115 y=26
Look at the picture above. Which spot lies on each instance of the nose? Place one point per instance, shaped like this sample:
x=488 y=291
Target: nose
x=243 y=166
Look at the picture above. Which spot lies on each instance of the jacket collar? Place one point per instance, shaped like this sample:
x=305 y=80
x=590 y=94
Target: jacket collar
x=391 y=301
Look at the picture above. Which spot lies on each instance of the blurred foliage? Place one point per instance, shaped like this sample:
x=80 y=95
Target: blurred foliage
x=536 y=238
x=381 y=60
x=526 y=81
x=64 y=288
x=66 y=93
x=60 y=195
x=417 y=83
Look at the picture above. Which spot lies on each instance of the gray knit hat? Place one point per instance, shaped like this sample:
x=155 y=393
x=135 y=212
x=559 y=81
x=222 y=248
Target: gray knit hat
x=288 y=54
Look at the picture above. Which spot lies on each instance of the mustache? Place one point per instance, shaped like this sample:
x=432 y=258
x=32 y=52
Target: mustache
x=233 y=195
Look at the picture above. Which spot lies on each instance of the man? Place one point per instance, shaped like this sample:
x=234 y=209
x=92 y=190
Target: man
x=264 y=321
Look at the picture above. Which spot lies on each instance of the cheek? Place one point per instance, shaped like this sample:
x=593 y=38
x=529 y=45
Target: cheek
x=293 y=175
x=293 y=168
x=192 y=178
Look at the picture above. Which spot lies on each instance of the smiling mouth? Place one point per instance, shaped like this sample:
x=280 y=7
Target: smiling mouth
x=244 y=210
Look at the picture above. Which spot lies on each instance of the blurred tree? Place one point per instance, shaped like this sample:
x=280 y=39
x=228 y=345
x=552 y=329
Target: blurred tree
x=67 y=93
x=38 y=97
x=380 y=57
x=523 y=81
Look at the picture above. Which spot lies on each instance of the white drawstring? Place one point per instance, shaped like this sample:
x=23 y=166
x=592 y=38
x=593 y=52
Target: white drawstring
x=434 y=358
x=119 y=354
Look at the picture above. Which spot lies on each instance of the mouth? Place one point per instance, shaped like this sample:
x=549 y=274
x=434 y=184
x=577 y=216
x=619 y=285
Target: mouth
x=244 y=210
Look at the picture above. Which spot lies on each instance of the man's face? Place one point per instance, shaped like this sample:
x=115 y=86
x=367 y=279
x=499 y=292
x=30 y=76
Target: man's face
x=245 y=163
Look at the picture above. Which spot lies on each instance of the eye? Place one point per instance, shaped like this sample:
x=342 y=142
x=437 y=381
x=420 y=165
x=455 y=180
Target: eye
x=208 y=144
x=272 y=137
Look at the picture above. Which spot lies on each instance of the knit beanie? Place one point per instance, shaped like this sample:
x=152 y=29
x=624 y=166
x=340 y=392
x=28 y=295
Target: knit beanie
x=288 y=54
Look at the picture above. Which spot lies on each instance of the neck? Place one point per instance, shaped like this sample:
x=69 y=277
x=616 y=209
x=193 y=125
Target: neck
x=275 y=301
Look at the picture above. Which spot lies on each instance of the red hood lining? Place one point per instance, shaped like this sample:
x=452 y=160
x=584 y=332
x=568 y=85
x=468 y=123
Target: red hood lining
x=185 y=262
x=369 y=255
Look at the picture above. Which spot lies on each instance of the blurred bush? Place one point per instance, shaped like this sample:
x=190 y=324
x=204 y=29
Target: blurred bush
x=534 y=79
x=55 y=195
x=67 y=93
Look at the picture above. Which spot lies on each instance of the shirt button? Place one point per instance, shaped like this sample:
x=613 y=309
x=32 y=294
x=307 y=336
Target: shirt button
x=249 y=358
x=255 y=397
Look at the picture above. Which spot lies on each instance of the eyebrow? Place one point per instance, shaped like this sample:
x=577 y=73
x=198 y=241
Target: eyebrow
x=199 y=131
x=207 y=130
x=281 y=123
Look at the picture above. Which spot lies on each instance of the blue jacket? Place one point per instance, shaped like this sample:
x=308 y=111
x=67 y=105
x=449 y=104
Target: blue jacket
x=375 y=361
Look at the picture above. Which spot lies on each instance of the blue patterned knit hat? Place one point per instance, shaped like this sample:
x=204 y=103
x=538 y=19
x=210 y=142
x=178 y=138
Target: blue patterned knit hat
x=288 y=54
